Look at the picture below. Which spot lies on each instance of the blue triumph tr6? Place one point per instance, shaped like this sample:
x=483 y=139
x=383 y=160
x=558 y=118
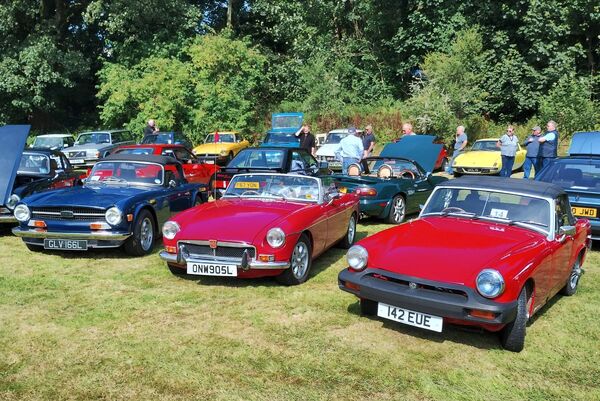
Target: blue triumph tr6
x=122 y=203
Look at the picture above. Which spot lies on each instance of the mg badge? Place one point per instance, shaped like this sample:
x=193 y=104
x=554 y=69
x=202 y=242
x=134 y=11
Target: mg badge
x=412 y=286
x=66 y=214
x=212 y=243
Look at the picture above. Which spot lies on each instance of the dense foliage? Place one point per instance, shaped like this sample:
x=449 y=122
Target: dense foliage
x=201 y=65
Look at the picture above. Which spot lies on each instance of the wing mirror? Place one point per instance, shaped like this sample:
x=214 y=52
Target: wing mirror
x=172 y=183
x=566 y=231
x=331 y=196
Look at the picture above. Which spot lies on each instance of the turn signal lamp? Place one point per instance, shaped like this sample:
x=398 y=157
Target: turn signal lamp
x=266 y=258
x=366 y=191
x=483 y=314
x=171 y=249
x=352 y=286
x=99 y=226
x=37 y=224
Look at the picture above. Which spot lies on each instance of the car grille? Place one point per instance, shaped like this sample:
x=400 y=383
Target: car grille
x=207 y=155
x=68 y=213
x=421 y=286
x=77 y=154
x=198 y=251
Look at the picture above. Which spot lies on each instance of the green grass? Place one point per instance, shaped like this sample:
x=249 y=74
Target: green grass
x=103 y=326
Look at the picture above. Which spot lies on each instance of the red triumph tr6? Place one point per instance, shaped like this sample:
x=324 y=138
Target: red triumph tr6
x=484 y=252
x=266 y=224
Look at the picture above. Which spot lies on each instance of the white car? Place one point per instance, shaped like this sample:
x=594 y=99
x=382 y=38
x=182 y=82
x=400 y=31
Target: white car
x=326 y=153
x=53 y=141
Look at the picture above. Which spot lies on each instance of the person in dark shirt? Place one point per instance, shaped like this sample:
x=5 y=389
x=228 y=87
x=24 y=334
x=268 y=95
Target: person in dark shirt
x=307 y=139
x=151 y=128
x=368 y=143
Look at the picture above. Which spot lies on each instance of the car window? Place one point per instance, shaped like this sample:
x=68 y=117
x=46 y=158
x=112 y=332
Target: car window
x=564 y=216
x=34 y=163
x=573 y=175
x=258 y=158
x=484 y=145
x=135 y=151
x=183 y=155
x=56 y=162
x=297 y=164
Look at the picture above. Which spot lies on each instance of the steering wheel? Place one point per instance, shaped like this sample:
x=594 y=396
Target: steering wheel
x=251 y=192
x=407 y=172
x=453 y=209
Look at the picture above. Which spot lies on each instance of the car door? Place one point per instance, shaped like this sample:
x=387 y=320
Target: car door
x=180 y=194
x=194 y=171
x=422 y=188
x=336 y=211
x=563 y=249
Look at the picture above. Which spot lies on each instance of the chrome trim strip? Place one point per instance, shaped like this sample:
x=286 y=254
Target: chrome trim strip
x=253 y=264
x=8 y=219
x=100 y=235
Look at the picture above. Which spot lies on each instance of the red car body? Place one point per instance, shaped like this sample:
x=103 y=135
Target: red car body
x=221 y=231
x=430 y=266
x=195 y=171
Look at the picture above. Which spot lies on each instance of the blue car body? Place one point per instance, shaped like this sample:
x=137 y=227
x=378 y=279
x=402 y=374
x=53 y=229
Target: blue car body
x=283 y=129
x=579 y=175
x=69 y=214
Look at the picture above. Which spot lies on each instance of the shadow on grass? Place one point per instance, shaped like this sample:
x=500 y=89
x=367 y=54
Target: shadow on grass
x=98 y=253
x=474 y=337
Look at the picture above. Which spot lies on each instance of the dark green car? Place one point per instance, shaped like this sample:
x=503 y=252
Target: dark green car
x=395 y=183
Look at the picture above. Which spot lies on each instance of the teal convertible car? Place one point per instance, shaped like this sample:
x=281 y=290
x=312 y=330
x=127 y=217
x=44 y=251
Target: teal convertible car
x=397 y=181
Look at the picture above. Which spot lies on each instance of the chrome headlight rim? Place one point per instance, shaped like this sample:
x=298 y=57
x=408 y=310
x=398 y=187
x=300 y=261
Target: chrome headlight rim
x=12 y=201
x=490 y=277
x=275 y=237
x=357 y=257
x=22 y=213
x=170 y=229
x=113 y=216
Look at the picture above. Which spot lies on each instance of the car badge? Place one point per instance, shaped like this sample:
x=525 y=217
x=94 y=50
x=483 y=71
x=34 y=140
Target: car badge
x=412 y=286
x=66 y=214
x=212 y=243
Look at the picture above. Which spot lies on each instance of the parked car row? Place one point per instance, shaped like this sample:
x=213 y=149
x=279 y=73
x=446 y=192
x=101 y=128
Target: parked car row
x=484 y=252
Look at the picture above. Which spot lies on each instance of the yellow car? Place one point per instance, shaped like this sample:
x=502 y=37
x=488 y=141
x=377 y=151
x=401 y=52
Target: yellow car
x=484 y=158
x=222 y=148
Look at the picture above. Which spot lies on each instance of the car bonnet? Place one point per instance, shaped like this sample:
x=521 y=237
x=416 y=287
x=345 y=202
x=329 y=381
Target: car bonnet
x=13 y=139
x=419 y=148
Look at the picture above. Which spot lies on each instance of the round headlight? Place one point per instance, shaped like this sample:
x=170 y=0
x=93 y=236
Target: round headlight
x=276 y=237
x=22 y=213
x=170 y=229
x=490 y=283
x=12 y=201
x=357 y=257
x=113 y=216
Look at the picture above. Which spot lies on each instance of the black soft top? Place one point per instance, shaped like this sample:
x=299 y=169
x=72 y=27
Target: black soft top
x=142 y=158
x=522 y=186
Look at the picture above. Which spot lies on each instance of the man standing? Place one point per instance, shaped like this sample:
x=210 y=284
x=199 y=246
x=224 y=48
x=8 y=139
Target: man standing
x=508 y=145
x=307 y=139
x=533 y=146
x=150 y=128
x=548 y=144
x=350 y=149
x=368 y=144
x=460 y=143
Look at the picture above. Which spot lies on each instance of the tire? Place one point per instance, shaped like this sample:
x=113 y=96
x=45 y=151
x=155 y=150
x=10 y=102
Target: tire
x=368 y=307
x=350 y=236
x=570 y=287
x=144 y=234
x=512 y=336
x=300 y=263
x=397 y=211
x=176 y=271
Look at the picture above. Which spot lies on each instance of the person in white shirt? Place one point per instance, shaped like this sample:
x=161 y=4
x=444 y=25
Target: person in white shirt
x=350 y=150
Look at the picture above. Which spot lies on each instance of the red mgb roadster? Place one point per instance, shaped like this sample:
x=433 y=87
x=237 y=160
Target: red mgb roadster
x=486 y=252
x=265 y=225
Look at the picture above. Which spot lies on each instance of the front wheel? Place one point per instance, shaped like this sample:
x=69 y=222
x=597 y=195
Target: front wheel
x=300 y=263
x=348 y=239
x=571 y=287
x=144 y=234
x=397 y=210
x=512 y=336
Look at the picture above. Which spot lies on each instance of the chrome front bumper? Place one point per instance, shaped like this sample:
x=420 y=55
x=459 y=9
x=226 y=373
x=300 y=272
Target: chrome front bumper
x=100 y=235
x=7 y=218
x=252 y=263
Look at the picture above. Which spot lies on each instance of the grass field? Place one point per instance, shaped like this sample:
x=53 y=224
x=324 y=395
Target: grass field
x=103 y=326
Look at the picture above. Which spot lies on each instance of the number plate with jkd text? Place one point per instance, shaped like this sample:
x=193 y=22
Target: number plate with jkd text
x=584 y=211
x=66 y=244
x=412 y=318
x=211 y=269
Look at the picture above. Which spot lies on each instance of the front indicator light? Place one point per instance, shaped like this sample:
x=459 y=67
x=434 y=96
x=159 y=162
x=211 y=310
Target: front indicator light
x=37 y=224
x=482 y=314
x=352 y=286
x=99 y=226
x=171 y=249
x=266 y=258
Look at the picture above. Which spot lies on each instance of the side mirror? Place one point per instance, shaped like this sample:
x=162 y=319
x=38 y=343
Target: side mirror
x=331 y=196
x=172 y=184
x=566 y=231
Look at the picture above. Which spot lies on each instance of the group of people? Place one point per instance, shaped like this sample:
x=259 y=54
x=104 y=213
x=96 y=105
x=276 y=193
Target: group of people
x=540 y=149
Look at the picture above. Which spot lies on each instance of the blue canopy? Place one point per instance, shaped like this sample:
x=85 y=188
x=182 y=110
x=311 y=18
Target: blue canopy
x=420 y=148
x=13 y=139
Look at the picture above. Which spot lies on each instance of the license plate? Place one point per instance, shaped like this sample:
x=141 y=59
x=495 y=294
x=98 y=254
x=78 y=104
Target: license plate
x=412 y=318
x=584 y=211
x=77 y=161
x=209 y=161
x=247 y=185
x=211 y=269
x=66 y=244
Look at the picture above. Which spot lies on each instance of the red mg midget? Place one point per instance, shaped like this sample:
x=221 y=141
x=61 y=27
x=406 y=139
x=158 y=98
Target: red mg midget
x=265 y=224
x=484 y=252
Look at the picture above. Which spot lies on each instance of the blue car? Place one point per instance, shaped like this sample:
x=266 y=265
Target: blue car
x=123 y=202
x=283 y=129
x=579 y=175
